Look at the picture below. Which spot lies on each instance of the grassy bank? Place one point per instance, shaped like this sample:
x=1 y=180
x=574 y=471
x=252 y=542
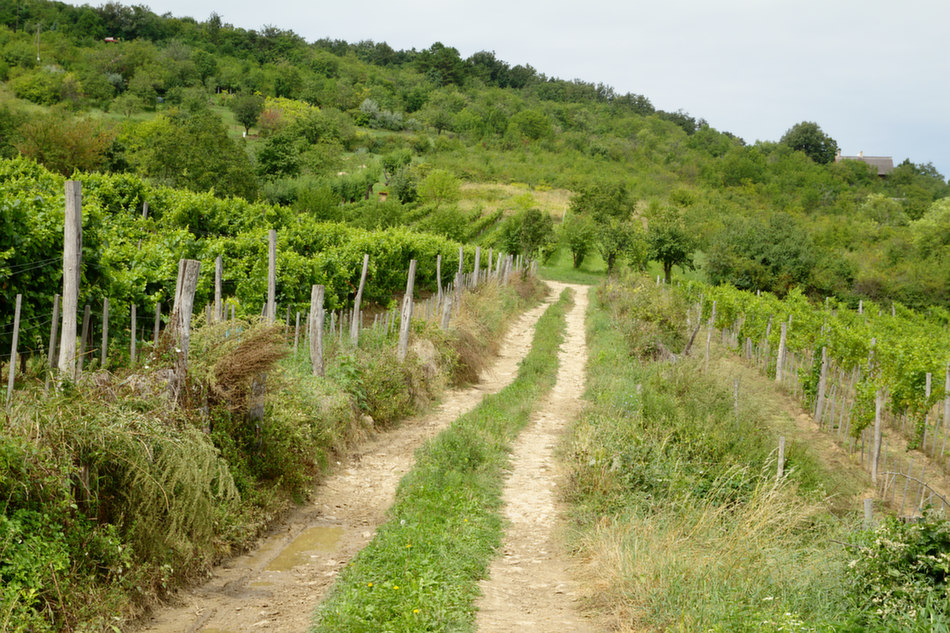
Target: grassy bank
x=421 y=571
x=111 y=497
x=676 y=505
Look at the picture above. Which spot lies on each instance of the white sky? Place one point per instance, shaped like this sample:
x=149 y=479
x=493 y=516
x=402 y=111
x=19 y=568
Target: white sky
x=874 y=74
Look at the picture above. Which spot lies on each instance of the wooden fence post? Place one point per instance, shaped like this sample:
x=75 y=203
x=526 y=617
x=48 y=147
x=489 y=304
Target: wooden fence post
x=438 y=278
x=182 y=310
x=781 y=457
x=218 y=276
x=72 y=248
x=868 y=514
x=406 y=319
x=51 y=356
x=478 y=263
x=105 y=334
x=822 y=382
x=16 y=335
x=315 y=327
x=780 y=359
x=84 y=337
x=158 y=323
x=355 y=323
x=878 y=411
x=446 y=312
x=132 y=349
x=296 y=334
x=271 y=313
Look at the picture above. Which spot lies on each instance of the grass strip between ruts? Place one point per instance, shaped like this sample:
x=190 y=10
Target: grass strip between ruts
x=422 y=570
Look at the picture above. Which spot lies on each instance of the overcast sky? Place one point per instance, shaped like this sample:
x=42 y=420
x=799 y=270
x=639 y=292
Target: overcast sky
x=874 y=74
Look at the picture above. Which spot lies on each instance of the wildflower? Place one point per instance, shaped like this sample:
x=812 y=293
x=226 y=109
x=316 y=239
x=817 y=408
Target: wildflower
x=415 y=610
x=369 y=584
x=395 y=586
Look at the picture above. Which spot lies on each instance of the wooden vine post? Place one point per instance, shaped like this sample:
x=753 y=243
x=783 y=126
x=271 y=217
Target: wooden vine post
x=181 y=320
x=132 y=350
x=16 y=335
x=218 y=303
x=822 y=385
x=315 y=329
x=780 y=359
x=72 y=247
x=271 y=313
x=406 y=319
x=878 y=411
x=355 y=323
x=105 y=334
x=51 y=357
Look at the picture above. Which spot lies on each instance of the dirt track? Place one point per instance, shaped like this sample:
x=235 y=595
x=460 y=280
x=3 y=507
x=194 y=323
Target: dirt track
x=276 y=586
x=529 y=589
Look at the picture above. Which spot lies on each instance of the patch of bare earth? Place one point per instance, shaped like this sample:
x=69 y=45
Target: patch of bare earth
x=277 y=586
x=530 y=588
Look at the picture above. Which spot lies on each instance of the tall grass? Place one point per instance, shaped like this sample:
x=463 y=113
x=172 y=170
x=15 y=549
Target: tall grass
x=110 y=496
x=676 y=505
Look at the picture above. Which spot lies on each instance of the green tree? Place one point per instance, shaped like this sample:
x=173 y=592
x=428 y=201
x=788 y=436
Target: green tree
x=670 y=244
x=619 y=240
x=809 y=138
x=579 y=234
x=394 y=161
x=439 y=187
x=63 y=144
x=247 y=109
x=529 y=232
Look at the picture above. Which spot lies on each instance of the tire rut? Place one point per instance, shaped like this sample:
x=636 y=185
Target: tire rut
x=276 y=587
x=530 y=587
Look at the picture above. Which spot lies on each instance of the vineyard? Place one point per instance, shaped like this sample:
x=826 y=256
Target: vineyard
x=854 y=369
x=134 y=236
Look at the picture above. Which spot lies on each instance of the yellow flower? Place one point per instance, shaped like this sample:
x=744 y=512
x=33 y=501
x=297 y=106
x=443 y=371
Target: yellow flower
x=369 y=584
x=415 y=610
x=395 y=586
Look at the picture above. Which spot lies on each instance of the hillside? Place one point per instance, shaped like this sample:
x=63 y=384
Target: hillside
x=331 y=121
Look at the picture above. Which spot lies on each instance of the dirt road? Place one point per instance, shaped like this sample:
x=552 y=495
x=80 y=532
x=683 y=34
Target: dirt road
x=529 y=589
x=277 y=586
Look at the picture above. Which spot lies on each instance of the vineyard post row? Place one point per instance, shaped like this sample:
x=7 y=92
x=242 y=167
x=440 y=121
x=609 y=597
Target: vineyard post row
x=68 y=364
x=833 y=405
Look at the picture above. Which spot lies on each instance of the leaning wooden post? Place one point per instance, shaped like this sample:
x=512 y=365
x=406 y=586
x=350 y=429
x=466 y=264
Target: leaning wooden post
x=16 y=335
x=878 y=410
x=406 y=318
x=105 y=334
x=271 y=313
x=868 y=514
x=72 y=247
x=181 y=319
x=355 y=322
x=132 y=349
x=461 y=259
x=218 y=303
x=822 y=382
x=51 y=356
x=780 y=359
x=315 y=328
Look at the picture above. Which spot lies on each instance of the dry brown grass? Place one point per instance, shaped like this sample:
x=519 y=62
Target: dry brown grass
x=495 y=196
x=233 y=373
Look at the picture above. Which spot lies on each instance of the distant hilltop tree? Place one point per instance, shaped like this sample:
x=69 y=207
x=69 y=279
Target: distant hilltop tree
x=809 y=138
